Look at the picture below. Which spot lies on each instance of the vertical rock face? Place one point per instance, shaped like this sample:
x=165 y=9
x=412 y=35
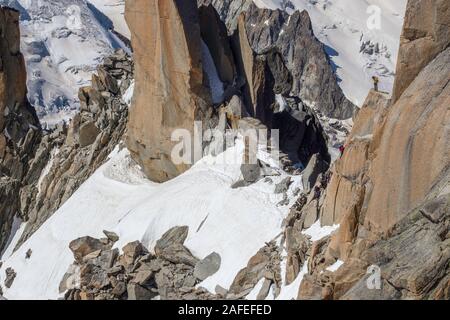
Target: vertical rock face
x=13 y=102
x=259 y=80
x=426 y=33
x=390 y=192
x=170 y=92
x=19 y=126
x=68 y=156
x=402 y=145
x=413 y=154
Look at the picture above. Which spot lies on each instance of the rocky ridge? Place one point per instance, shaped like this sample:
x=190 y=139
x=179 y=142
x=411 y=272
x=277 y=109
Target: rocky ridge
x=391 y=167
x=313 y=79
x=66 y=156
x=20 y=130
x=70 y=154
x=292 y=36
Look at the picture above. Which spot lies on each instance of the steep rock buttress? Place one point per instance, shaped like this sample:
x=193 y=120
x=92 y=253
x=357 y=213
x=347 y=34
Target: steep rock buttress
x=170 y=92
x=390 y=191
x=19 y=126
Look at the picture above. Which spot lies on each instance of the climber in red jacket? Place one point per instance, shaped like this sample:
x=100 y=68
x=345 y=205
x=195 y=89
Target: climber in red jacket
x=342 y=149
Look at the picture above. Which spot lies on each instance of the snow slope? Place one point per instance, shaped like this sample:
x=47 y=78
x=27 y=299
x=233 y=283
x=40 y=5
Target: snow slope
x=235 y=223
x=342 y=25
x=63 y=41
x=115 y=11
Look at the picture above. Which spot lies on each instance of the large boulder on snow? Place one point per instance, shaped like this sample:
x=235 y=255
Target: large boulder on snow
x=208 y=266
x=82 y=247
x=176 y=235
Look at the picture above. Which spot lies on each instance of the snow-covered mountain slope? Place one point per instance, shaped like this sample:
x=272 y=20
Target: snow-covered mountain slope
x=235 y=223
x=358 y=50
x=63 y=41
x=115 y=11
x=61 y=58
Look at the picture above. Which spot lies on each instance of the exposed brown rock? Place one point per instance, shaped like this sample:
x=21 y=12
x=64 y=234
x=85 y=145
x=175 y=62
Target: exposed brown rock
x=12 y=68
x=84 y=246
x=176 y=235
x=73 y=152
x=169 y=92
x=259 y=81
x=426 y=33
x=214 y=33
x=390 y=190
x=264 y=264
x=100 y=273
x=412 y=156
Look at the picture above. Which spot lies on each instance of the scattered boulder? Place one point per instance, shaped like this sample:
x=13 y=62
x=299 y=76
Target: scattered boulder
x=81 y=247
x=173 y=273
x=143 y=275
x=176 y=235
x=285 y=201
x=283 y=186
x=10 y=276
x=221 y=291
x=113 y=237
x=251 y=172
x=177 y=253
x=265 y=289
x=208 y=266
x=131 y=251
x=137 y=292
x=70 y=279
x=265 y=264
